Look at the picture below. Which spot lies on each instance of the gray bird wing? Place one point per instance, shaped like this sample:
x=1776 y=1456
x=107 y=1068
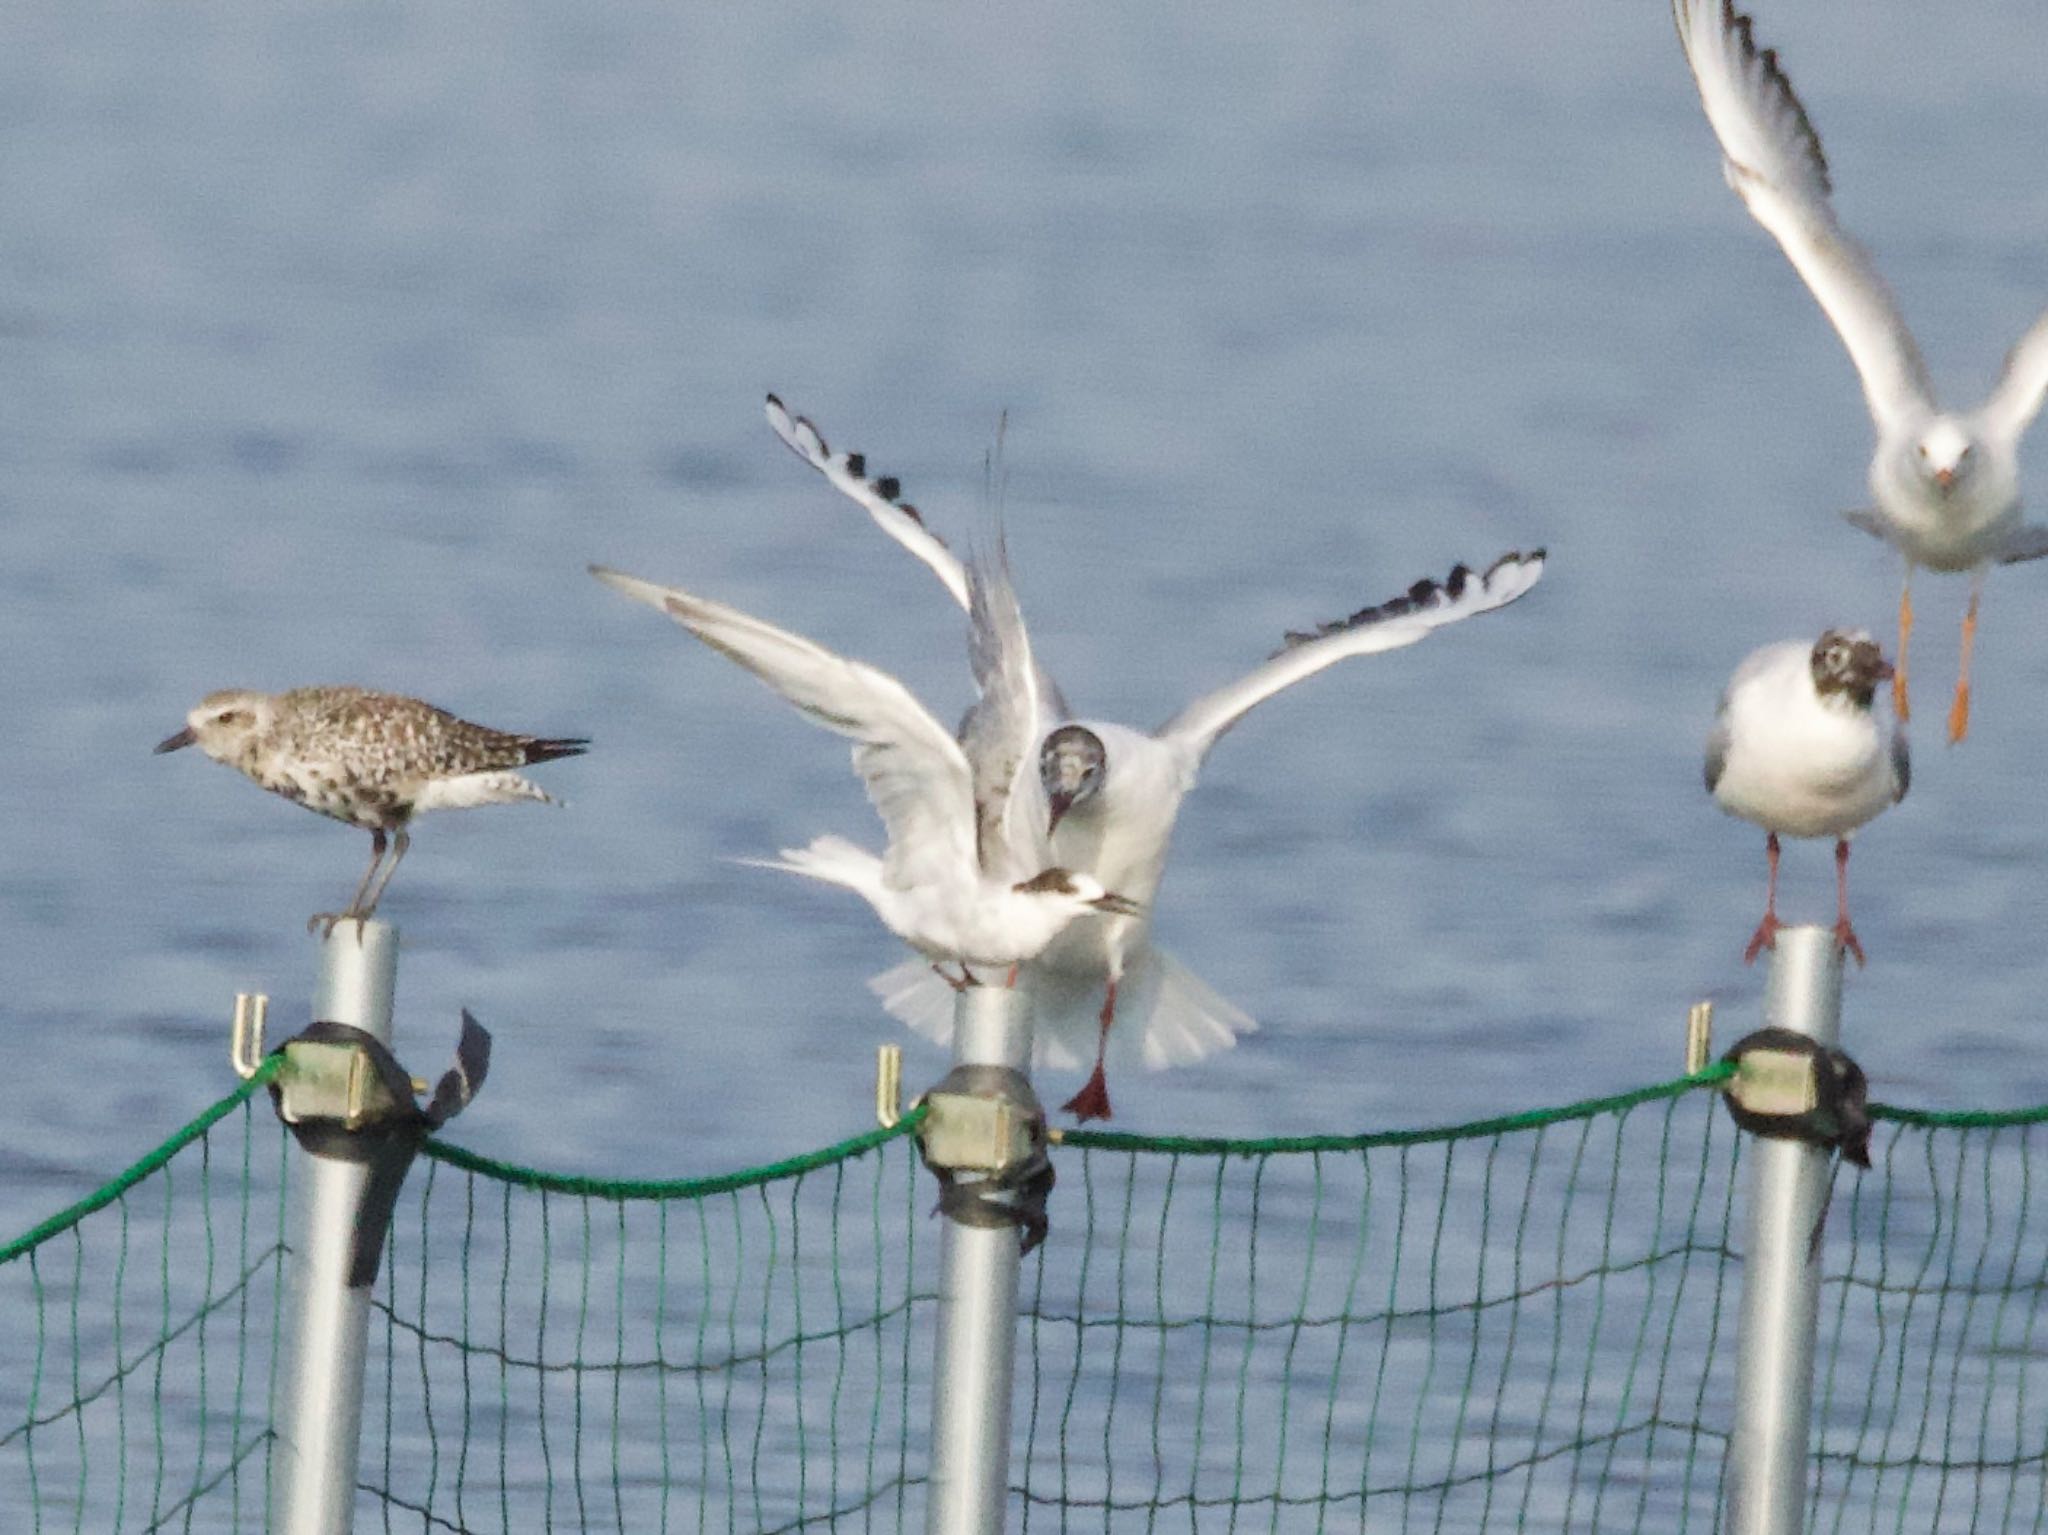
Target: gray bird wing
x=1902 y=763
x=1717 y=746
x=916 y=776
x=1414 y=615
x=2027 y=543
x=1001 y=732
x=881 y=497
x=1869 y=519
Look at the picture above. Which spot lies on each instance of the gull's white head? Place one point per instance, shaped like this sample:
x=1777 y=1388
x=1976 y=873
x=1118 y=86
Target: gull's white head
x=1945 y=454
x=224 y=724
x=1078 y=892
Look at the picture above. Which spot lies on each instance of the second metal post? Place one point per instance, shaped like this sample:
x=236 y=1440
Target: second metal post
x=1769 y=1455
x=977 y=1344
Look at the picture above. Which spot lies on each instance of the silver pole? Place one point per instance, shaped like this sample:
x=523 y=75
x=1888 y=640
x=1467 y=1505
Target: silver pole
x=318 y=1414
x=1770 y=1453
x=977 y=1348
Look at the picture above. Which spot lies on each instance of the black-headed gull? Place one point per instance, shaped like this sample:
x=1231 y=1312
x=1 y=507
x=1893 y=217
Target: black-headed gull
x=958 y=882
x=1111 y=795
x=1946 y=483
x=373 y=760
x=1797 y=750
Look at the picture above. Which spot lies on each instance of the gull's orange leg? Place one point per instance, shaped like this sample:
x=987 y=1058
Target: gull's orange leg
x=1092 y=1101
x=1900 y=706
x=1959 y=711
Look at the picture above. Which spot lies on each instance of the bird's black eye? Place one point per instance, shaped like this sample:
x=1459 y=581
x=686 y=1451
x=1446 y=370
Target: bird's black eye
x=232 y=717
x=1923 y=450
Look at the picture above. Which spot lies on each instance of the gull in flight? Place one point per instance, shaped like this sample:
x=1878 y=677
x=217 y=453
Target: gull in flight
x=964 y=879
x=1945 y=483
x=1109 y=796
x=1796 y=749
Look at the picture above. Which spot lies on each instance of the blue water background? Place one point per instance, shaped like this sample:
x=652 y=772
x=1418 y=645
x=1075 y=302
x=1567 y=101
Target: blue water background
x=335 y=341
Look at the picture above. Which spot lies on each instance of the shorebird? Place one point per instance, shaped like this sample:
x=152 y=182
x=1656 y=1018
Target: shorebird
x=373 y=760
x=1110 y=796
x=1797 y=750
x=1945 y=483
x=964 y=879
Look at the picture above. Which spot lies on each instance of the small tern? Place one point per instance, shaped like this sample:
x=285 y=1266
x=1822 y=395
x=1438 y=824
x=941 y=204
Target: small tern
x=1110 y=796
x=1797 y=750
x=1945 y=483
x=373 y=760
x=954 y=884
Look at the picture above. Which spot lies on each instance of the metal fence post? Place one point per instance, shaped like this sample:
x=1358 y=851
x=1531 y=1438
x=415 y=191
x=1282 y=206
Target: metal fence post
x=1770 y=1454
x=318 y=1412
x=977 y=1344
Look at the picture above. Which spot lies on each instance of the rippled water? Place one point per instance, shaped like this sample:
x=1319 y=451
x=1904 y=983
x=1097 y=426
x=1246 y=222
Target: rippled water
x=336 y=343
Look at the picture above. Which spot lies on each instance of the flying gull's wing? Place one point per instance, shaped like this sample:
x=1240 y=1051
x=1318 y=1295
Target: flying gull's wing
x=1772 y=158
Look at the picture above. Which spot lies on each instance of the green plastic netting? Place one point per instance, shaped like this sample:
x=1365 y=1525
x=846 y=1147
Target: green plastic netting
x=1523 y=1324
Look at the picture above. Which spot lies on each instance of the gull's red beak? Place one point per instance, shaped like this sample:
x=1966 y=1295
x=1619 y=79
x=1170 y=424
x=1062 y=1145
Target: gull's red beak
x=1944 y=478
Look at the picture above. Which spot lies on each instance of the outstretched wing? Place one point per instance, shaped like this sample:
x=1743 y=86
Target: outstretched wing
x=882 y=499
x=1000 y=734
x=2016 y=399
x=915 y=772
x=881 y=496
x=1424 y=607
x=1772 y=158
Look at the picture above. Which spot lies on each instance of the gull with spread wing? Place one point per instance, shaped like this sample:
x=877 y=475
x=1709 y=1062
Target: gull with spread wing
x=1946 y=483
x=1110 y=796
x=964 y=879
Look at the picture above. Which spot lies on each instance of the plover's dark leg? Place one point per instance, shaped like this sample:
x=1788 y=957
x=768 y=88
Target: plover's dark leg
x=402 y=840
x=324 y=921
x=1900 y=705
x=958 y=983
x=1844 y=933
x=1959 y=711
x=1766 y=935
x=1092 y=1101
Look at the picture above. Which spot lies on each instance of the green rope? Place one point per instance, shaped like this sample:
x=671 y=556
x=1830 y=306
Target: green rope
x=101 y=1197
x=671 y=1188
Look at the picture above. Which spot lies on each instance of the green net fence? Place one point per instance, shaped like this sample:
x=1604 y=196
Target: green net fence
x=1522 y=1324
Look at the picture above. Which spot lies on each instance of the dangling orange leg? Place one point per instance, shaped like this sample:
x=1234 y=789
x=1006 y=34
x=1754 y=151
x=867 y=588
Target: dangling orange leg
x=1010 y=981
x=1900 y=706
x=1092 y=1101
x=1766 y=935
x=1959 y=711
x=1845 y=935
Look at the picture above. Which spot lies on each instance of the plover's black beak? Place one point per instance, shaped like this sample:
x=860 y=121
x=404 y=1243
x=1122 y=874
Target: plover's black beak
x=1062 y=801
x=1116 y=905
x=1883 y=671
x=173 y=743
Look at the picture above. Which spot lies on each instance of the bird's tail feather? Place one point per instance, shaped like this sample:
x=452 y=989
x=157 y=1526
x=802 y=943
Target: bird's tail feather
x=1166 y=1015
x=831 y=859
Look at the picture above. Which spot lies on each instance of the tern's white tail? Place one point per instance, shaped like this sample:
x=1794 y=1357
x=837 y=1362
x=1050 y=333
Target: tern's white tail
x=1166 y=1015
x=833 y=860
